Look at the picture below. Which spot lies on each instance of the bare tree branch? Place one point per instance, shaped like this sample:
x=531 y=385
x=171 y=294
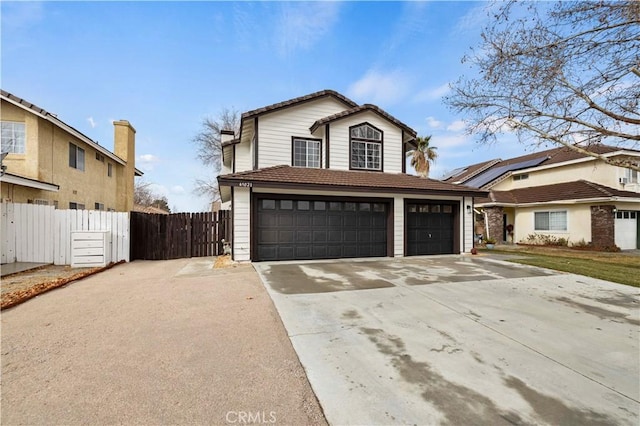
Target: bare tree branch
x=563 y=72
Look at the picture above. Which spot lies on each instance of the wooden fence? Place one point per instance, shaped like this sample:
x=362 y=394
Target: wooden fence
x=34 y=233
x=173 y=236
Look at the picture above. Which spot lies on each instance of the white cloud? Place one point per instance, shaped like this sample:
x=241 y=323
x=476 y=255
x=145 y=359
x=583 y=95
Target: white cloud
x=178 y=189
x=433 y=93
x=303 y=24
x=451 y=141
x=380 y=88
x=433 y=123
x=457 y=126
x=146 y=162
x=92 y=122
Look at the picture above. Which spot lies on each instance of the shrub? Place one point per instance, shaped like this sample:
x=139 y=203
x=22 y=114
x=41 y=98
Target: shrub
x=547 y=240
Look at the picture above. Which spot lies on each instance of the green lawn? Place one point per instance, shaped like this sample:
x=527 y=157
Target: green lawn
x=616 y=267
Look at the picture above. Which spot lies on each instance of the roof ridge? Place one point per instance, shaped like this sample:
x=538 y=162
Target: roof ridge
x=299 y=99
x=488 y=165
x=597 y=187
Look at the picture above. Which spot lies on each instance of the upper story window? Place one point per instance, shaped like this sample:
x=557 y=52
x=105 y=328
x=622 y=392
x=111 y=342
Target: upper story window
x=631 y=175
x=109 y=169
x=522 y=176
x=366 y=147
x=306 y=152
x=76 y=157
x=13 y=137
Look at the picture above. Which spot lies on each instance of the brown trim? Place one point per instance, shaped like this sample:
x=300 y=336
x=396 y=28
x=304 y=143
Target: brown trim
x=381 y=142
x=255 y=147
x=404 y=154
x=303 y=138
x=233 y=159
x=363 y=108
x=328 y=187
x=300 y=100
x=257 y=196
x=326 y=138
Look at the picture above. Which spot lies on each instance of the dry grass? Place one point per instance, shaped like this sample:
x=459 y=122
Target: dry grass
x=621 y=268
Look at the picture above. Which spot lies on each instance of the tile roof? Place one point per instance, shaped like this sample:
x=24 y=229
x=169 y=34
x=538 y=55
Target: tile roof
x=473 y=170
x=554 y=156
x=298 y=100
x=357 y=109
x=566 y=191
x=148 y=209
x=345 y=180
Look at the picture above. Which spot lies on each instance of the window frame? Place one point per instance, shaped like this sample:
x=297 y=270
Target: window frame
x=109 y=169
x=550 y=228
x=13 y=131
x=629 y=174
x=76 y=150
x=306 y=140
x=367 y=143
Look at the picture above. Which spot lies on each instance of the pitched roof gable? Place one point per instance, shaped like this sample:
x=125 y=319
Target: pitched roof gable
x=22 y=103
x=361 y=108
x=549 y=156
x=345 y=180
x=299 y=100
x=565 y=191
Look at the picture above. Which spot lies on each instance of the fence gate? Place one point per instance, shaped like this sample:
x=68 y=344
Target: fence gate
x=174 y=236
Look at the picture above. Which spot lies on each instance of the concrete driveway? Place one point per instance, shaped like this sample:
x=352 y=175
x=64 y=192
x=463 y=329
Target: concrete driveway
x=460 y=340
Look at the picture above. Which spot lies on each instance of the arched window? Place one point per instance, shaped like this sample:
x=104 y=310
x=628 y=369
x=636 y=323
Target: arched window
x=366 y=147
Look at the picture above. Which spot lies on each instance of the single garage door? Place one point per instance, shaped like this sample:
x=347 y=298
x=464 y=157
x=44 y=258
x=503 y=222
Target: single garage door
x=291 y=229
x=626 y=229
x=430 y=228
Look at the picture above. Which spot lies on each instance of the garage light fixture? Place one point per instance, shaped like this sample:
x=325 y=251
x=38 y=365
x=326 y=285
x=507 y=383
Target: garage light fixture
x=468 y=209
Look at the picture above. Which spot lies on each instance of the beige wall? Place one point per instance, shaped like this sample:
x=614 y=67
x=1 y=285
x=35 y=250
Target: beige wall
x=578 y=220
x=593 y=171
x=46 y=159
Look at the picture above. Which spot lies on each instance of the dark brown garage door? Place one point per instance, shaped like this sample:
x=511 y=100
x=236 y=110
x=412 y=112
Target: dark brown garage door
x=292 y=228
x=430 y=228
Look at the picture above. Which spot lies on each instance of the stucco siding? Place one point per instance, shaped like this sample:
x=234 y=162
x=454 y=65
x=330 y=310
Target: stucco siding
x=275 y=129
x=593 y=171
x=241 y=209
x=578 y=222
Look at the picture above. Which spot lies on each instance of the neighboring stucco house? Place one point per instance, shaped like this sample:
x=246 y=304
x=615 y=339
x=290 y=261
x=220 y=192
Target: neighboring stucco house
x=51 y=163
x=320 y=176
x=560 y=193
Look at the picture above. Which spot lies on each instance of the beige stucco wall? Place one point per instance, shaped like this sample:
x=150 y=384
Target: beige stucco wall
x=46 y=159
x=593 y=170
x=578 y=220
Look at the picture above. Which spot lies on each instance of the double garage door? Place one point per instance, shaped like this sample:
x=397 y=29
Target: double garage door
x=329 y=228
x=295 y=228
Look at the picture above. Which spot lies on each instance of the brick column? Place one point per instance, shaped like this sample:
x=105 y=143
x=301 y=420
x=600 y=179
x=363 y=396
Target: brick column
x=602 y=226
x=495 y=222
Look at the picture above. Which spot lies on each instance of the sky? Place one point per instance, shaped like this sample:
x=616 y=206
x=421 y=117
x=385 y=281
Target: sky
x=165 y=66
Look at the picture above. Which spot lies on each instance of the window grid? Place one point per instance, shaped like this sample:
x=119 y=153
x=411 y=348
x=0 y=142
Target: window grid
x=365 y=155
x=13 y=136
x=306 y=153
x=550 y=221
x=76 y=157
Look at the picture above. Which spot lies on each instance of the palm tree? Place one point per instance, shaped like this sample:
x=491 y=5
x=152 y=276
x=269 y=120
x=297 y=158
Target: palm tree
x=423 y=155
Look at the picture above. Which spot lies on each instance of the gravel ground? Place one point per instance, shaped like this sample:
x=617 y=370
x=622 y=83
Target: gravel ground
x=44 y=274
x=172 y=342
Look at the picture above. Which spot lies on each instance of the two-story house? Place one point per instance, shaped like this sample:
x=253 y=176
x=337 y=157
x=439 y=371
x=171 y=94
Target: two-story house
x=320 y=176
x=560 y=193
x=49 y=162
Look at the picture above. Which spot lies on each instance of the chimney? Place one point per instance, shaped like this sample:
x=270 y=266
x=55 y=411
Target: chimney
x=125 y=148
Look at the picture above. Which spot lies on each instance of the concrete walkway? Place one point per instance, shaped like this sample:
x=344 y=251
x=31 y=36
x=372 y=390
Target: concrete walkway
x=171 y=342
x=461 y=340
x=15 y=267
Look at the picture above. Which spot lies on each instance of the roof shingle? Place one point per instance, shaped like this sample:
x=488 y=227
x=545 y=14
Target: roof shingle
x=566 y=191
x=298 y=100
x=345 y=180
x=357 y=109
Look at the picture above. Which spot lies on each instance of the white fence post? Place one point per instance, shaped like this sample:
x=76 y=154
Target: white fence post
x=33 y=233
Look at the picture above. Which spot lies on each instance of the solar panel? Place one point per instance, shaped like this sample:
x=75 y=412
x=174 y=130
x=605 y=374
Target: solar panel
x=495 y=172
x=453 y=173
